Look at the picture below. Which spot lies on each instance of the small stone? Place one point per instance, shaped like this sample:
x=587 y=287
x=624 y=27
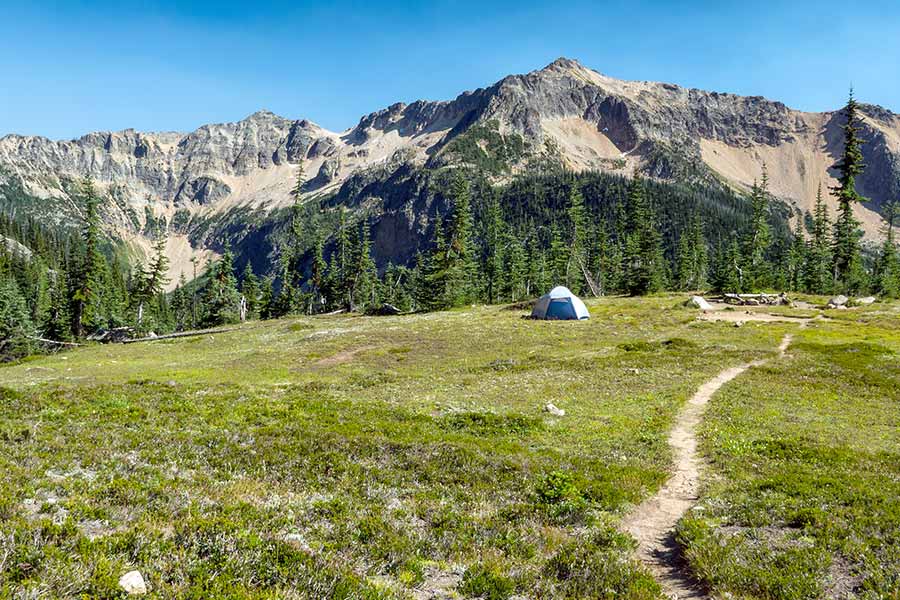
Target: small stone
x=738 y=323
x=866 y=301
x=133 y=584
x=554 y=410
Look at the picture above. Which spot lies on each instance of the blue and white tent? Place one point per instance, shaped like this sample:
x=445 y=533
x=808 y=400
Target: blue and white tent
x=560 y=304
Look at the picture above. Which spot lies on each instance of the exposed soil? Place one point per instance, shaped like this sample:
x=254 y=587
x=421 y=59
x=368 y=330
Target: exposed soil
x=653 y=522
x=341 y=357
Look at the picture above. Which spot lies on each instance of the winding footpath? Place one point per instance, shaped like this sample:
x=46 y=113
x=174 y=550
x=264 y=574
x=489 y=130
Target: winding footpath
x=653 y=522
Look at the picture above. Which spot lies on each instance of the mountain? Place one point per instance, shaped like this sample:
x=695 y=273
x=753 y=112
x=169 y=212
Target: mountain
x=228 y=179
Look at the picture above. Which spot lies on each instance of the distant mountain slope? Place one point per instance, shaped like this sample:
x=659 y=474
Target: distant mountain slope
x=565 y=113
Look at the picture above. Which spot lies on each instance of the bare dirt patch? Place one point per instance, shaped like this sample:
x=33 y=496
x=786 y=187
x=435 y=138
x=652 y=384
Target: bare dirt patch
x=342 y=357
x=653 y=522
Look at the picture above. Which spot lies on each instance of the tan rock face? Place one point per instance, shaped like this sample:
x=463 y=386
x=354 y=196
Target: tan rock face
x=594 y=121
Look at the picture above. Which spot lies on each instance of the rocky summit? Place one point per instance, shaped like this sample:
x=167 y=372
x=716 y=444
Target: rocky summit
x=223 y=176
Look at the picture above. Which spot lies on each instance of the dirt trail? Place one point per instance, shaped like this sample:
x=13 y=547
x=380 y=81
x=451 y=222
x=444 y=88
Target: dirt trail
x=653 y=522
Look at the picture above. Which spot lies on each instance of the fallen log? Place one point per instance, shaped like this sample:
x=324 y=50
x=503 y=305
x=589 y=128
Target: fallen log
x=181 y=334
x=57 y=342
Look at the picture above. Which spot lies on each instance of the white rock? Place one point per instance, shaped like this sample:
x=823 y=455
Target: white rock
x=866 y=301
x=133 y=583
x=700 y=302
x=554 y=410
x=839 y=300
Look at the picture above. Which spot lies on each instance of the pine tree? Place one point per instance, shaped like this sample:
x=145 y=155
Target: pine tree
x=250 y=292
x=339 y=267
x=460 y=252
x=493 y=254
x=220 y=298
x=644 y=261
x=796 y=258
x=887 y=273
x=180 y=304
x=817 y=270
x=365 y=274
x=267 y=308
x=319 y=274
x=558 y=258
x=729 y=273
x=16 y=328
x=514 y=269
x=56 y=324
x=576 y=268
x=86 y=279
x=433 y=283
x=847 y=265
x=759 y=238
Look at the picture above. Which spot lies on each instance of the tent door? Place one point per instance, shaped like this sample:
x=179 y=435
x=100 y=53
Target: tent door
x=561 y=309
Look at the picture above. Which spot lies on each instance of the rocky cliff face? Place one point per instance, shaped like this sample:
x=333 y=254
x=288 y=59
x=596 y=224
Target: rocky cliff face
x=564 y=112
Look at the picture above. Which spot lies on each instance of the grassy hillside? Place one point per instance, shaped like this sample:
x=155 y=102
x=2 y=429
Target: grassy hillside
x=394 y=457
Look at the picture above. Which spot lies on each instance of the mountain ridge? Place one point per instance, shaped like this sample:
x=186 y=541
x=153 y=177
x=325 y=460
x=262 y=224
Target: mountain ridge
x=563 y=112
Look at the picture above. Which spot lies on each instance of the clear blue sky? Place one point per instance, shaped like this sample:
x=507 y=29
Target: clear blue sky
x=70 y=67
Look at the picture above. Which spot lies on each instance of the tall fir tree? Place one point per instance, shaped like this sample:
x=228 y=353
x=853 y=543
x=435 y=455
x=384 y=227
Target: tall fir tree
x=250 y=291
x=459 y=261
x=887 y=272
x=644 y=261
x=86 y=280
x=758 y=238
x=577 y=272
x=221 y=299
x=848 y=272
x=817 y=270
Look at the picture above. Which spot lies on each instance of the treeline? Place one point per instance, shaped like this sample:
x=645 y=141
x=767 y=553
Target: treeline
x=597 y=234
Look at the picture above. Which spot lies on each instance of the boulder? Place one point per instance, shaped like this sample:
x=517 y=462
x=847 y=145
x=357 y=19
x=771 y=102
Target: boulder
x=866 y=301
x=554 y=410
x=839 y=300
x=699 y=302
x=133 y=584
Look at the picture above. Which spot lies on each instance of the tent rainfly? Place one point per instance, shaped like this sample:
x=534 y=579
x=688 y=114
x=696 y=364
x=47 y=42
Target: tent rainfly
x=560 y=304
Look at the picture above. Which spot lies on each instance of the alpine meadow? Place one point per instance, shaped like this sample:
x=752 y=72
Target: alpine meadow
x=565 y=336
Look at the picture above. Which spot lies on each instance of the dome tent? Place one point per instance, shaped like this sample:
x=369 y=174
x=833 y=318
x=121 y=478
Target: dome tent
x=560 y=304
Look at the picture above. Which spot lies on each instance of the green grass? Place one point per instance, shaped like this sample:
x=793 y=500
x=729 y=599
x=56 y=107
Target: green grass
x=362 y=457
x=807 y=450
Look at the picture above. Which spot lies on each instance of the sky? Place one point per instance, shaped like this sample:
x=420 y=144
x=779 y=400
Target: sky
x=69 y=67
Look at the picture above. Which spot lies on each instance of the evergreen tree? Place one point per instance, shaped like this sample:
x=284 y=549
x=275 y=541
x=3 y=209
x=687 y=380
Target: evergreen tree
x=887 y=273
x=493 y=259
x=817 y=270
x=577 y=269
x=250 y=292
x=86 y=279
x=459 y=261
x=56 y=324
x=220 y=297
x=319 y=274
x=433 y=283
x=181 y=304
x=558 y=258
x=796 y=259
x=16 y=328
x=729 y=273
x=644 y=261
x=514 y=269
x=847 y=262
x=365 y=275
x=297 y=191
x=267 y=309
x=758 y=239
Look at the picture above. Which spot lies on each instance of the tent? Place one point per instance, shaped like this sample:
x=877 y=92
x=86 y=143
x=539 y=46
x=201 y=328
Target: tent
x=560 y=304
